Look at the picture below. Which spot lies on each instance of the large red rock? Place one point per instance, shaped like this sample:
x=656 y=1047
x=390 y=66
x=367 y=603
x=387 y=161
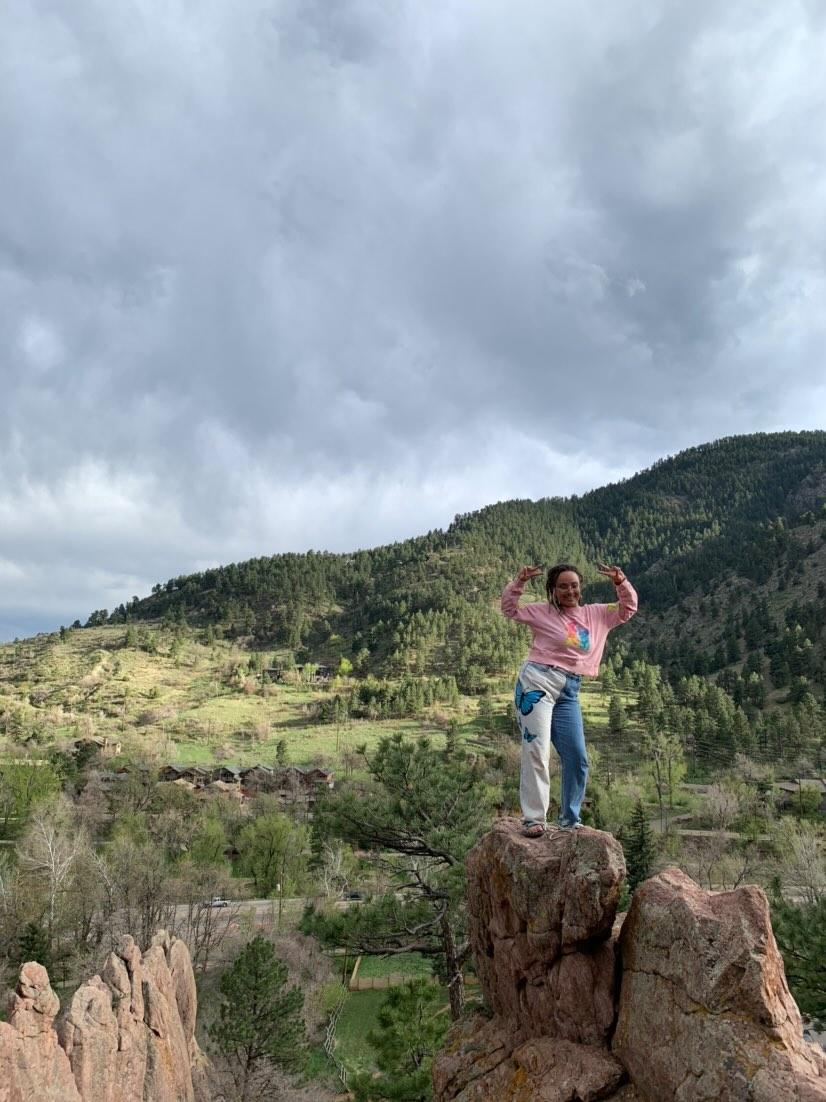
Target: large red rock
x=168 y=1070
x=32 y=1063
x=89 y=1036
x=128 y=1035
x=183 y=979
x=123 y=975
x=484 y=1061
x=540 y=914
x=705 y=1012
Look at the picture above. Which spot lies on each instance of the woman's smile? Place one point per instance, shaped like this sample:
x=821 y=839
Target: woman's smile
x=566 y=589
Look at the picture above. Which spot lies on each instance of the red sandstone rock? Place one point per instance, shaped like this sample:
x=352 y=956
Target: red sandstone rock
x=168 y=1074
x=89 y=1036
x=705 y=1014
x=122 y=972
x=32 y=1063
x=183 y=978
x=483 y=1061
x=540 y=913
x=128 y=1035
x=705 y=1010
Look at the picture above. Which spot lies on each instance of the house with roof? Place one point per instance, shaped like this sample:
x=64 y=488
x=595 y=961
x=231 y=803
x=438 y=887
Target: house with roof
x=259 y=778
x=89 y=745
x=789 y=791
x=196 y=775
x=229 y=774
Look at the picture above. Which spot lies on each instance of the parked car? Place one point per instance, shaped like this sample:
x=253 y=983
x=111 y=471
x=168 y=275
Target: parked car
x=217 y=901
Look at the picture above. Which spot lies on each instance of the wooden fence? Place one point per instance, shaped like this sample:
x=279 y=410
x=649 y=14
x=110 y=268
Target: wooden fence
x=330 y=1037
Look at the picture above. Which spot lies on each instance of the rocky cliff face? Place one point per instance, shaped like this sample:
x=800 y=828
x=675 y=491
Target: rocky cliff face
x=128 y=1034
x=688 y=1002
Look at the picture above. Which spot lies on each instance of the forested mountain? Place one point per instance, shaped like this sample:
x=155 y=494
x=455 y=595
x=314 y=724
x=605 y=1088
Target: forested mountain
x=726 y=543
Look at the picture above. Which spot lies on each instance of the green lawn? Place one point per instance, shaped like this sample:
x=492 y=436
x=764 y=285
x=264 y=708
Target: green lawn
x=357 y=1018
x=405 y=964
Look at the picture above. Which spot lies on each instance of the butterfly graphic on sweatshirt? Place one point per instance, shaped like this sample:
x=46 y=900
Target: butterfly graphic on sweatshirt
x=525 y=699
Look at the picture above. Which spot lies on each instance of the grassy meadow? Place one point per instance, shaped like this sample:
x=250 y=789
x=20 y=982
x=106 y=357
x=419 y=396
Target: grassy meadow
x=175 y=698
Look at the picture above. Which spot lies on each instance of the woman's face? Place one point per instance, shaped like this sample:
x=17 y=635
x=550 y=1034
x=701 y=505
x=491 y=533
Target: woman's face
x=567 y=590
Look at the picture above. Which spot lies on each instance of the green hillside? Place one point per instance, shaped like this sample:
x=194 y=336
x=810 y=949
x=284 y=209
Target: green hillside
x=722 y=541
x=298 y=661
x=726 y=544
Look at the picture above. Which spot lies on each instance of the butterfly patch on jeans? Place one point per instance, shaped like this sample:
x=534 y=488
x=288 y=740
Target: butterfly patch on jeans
x=527 y=736
x=525 y=700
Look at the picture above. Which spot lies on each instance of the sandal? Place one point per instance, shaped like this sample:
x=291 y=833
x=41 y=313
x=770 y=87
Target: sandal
x=533 y=830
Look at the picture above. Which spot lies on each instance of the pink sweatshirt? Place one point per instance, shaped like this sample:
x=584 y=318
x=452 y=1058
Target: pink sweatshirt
x=573 y=639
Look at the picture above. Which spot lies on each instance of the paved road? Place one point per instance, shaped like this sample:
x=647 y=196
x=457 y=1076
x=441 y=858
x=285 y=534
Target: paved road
x=261 y=909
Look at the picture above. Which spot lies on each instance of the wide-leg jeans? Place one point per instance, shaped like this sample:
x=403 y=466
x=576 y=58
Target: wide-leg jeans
x=548 y=712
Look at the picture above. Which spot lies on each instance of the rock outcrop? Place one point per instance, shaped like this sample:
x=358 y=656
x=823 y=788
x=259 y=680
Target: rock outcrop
x=32 y=1063
x=128 y=1035
x=540 y=919
x=705 y=1011
x=689 y=1002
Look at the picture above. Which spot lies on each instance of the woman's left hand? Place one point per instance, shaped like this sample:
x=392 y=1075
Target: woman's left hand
x=613 y=572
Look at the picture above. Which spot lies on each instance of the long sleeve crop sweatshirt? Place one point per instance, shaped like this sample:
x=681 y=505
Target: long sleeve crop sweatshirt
x=572 y=639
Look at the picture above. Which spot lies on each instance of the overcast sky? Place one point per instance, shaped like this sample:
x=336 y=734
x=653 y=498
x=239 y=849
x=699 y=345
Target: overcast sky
x=281 y=274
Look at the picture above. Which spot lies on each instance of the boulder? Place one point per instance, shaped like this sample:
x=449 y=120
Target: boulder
x=684 y=1000
x=128 y=1035
x=705 y=1012
x=485 y=1061
x=540 y=916
x=474 y=1049
x=32 y=1063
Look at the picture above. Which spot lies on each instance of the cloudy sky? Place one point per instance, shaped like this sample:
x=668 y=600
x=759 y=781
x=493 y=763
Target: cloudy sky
x=281 y=274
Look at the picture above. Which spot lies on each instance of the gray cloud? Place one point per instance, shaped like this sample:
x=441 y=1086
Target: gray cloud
x=309 y=274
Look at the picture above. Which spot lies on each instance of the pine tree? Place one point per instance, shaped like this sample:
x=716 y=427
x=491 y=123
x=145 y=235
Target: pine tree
x=429 y=809
x=801 y=936
x=259 y=1027
x=616 y=715
x=639 y=846
x=411 y=1029
x=33 y=944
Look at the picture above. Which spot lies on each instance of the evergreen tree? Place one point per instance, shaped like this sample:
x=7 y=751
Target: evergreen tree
x=801 y=936
x=616 y=715
x=259 y=1027
x=451 y=738
x=33 y=944
x=429 y=809
x=640 y=849
x=411 y=1027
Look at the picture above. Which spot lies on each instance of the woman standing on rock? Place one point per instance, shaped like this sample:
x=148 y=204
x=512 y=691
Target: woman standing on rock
x=568 y=641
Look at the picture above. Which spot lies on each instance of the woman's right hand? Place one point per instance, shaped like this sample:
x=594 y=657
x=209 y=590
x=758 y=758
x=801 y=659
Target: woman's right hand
x=528 y=572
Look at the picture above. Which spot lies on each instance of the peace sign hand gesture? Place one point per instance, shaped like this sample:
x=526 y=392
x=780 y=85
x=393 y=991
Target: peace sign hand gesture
x=528 y=572
x=613 y=572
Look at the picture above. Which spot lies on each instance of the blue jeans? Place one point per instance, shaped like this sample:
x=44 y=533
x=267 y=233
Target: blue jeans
x=548 y=713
